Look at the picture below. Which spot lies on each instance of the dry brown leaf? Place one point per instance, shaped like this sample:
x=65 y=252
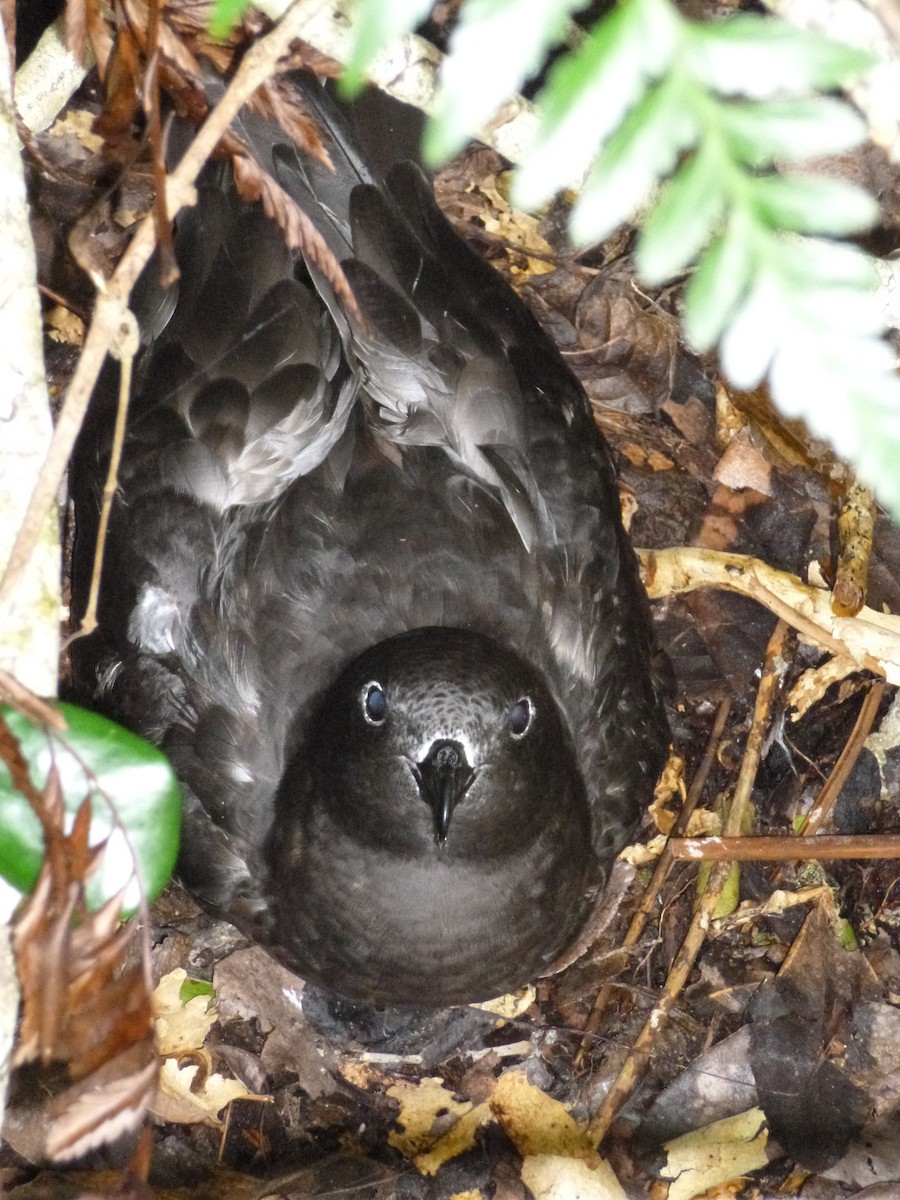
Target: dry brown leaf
x=814 y=683
x=629 y=348
x=436 y=1127
x=185 y=1101
x=553 y=1177
x=122 y=85
x=362 y=1075
x=644 y=456
x=121 y=43
x=560 y=1159
x=78 y=124
x=744 y=464
x=102 y=1109
x=82 y=1006
x=639 y=854
x=64 y=326
x=76 y=27
x=172 y=46
x=512 y=1005
x=180 y=1026
x=668 y=790
x=712 y=1156
x=519 y=231
x=535 y=1122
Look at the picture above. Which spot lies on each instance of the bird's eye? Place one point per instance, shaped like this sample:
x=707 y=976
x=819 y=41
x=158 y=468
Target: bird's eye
x=520 y=717
x=374 y=703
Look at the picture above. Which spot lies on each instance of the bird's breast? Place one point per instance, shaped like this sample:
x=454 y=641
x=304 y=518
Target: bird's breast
x=433 y=927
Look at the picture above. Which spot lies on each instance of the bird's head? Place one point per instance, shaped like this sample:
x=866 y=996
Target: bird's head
x=443 y=739
x=434 y=841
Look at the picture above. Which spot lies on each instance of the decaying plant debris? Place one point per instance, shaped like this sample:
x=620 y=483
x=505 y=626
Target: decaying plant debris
x=754 y=1007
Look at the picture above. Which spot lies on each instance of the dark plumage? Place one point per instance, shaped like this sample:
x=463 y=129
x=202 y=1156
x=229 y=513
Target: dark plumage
x=368 y=587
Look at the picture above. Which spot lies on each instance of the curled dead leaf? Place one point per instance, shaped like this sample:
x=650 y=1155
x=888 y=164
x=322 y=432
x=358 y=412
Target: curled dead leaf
x=84 y=1004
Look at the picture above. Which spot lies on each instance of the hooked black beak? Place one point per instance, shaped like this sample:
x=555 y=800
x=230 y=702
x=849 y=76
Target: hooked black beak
x=444 y=776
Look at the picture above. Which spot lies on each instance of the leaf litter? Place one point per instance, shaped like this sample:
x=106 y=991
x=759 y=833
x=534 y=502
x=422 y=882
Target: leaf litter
x=782 y=1046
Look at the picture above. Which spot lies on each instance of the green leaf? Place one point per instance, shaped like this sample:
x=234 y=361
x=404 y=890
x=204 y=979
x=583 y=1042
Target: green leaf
x=812 y=204
x=135 y=801
x=825 y=311
x=829 y=264
x=643 y=149
x=847 y=936
x=476 y=79
x=717 y=286
x=195 y=987
x=758 y=57
x=759 y=132
x=683 y=220
x=755 y=333
x=376 y=25
x=589 y=92
x=225 y=15
x=847 y=392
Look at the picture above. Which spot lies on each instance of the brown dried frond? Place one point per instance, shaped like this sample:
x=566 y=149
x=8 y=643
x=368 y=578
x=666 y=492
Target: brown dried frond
x=278 y=100
x=122 y=81
x=253 y=183
x=84 y=1005
x=171 y=45
x=100 y=34
x=182 y=41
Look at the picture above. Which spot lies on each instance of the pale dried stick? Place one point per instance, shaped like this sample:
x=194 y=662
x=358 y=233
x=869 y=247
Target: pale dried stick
x=823 y=807
x=693 y=942
x=648 y=902
x=870 y=639
x=786 y=847
x=125 y=352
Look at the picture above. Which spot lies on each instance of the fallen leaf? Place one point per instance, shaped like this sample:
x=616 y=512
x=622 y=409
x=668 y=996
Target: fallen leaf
x=180 y=1026
x=64 y=326
x=435 y=1125
x=715 y=1154
x=552 y=1177
x=535 y=1122
x=512 y=1005
x=812 y=685
x=181 y=1101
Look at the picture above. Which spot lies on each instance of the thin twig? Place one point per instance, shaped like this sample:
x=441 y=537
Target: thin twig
x=30 y=705
x=693 y=942
x=151 y=101
x=125 y=353
x=824 y=804
x=786 y=848
x=663 y=866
